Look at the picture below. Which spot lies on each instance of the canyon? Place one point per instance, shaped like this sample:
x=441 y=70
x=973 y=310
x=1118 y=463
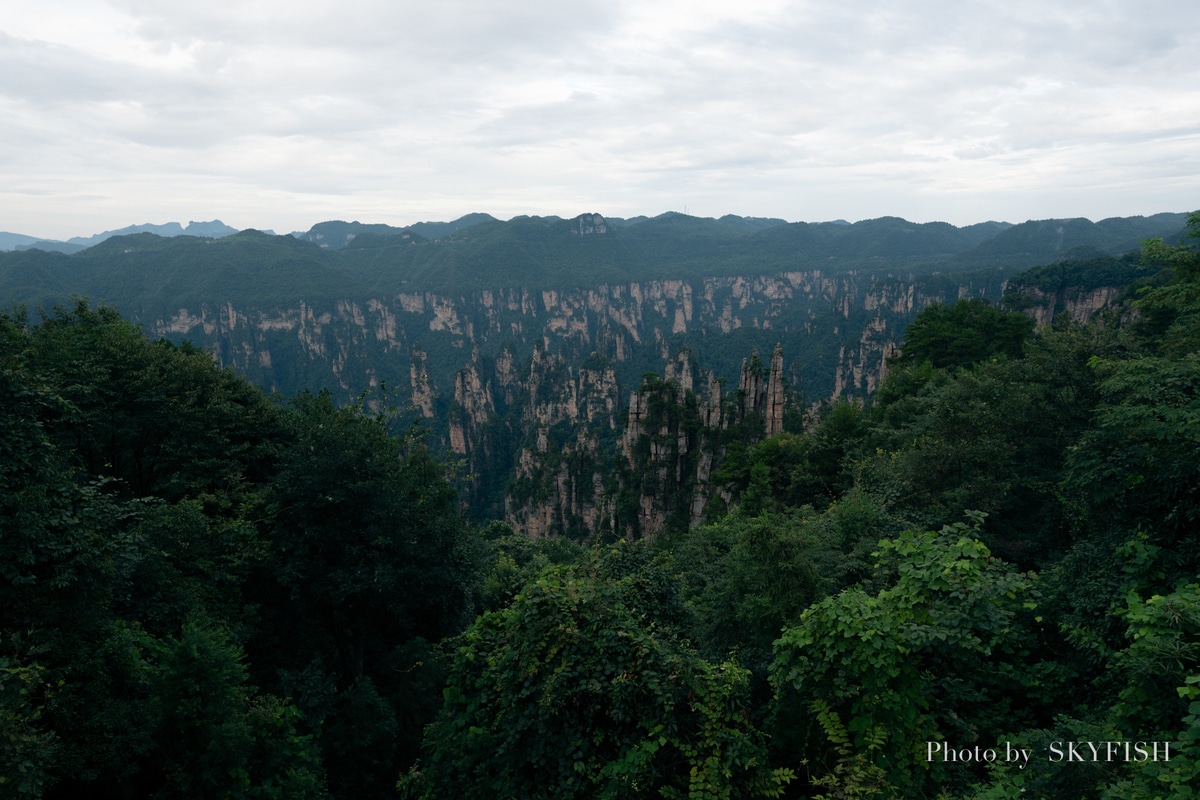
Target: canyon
x=584 y=375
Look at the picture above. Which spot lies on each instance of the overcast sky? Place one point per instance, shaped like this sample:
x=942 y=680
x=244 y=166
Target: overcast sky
x=274 y=114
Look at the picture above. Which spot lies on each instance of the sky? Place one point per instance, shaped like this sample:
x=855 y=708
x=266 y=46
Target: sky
x=278 y=115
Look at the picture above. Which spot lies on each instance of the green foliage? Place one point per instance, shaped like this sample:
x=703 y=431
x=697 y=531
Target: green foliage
x=745 y=578
x=578 y=689
x=171 y=541
x=516 y=560
x=161 y=520
x=370 y=553
x=1162 y=660
x=993 y=437
x=157 y=418
x=1170 y=323
x=367 y=527
x=855 y=775
x=1139 y=461
x=26 y=750
x=1079 y=274
x=796 y=469
x=890 y=662
x=964 y=333
x=1158 y=702
x=215 y=736
x=662 y=466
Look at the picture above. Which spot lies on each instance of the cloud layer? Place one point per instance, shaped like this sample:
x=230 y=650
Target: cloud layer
x=281 y=114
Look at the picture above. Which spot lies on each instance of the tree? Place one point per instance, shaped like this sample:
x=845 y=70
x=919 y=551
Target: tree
x=371 y=559
x=1137 y=468
x=910 y=664
x=963 y=334
x=215 y=736
x=159 y=420
x=992 y=437
x=743 y=579
x=1170 y=313
x=581 y=689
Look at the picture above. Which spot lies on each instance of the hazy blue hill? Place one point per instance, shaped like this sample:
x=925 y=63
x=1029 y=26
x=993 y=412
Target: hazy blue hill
x=752 y=223
x=1122 y=230
x=549 y=252
x=159 y=275
x=671 y=242
x=626 y=221
x=166 y=229
x=212 y=229
x=982 y=231
x=10 y=241
x=367 y=241
x=883 y=242
x=673 y=223
x=336 y=234
x=52 y=246
x=808 y=240
x=891 y=237
x=523 y=252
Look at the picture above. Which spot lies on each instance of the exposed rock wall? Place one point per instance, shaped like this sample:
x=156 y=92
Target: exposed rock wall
x=1078 y=304
x=350 y=344
x=529 y=385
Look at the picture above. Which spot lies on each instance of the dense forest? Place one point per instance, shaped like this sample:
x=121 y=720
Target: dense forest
x=982 y=582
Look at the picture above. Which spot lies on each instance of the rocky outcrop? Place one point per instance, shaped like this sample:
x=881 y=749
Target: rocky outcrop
x=587 y=224
x=422 y=388
x=528 y=386
x=762 y=396
x=473 y=404
x=558 y=487
x=351 y=344
x=1078 y=304
x=773 y=405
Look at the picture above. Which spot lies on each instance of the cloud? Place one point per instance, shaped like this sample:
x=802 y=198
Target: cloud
x=293 y=112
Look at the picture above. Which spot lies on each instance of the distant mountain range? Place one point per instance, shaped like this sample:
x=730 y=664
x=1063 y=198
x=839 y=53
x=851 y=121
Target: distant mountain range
x=208 y=230
x=884 y=237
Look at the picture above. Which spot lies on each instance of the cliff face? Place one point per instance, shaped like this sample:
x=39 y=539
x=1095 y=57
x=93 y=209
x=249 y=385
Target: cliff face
x=527 y=387
x=559 y=482
x=674 y=438
x=841 y=324
x=1078 y=304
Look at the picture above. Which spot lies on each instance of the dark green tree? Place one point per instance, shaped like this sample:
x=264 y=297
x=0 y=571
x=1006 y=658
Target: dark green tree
x=160 y=420
x=581 y=689
x=963 y=334
x=372 y=560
